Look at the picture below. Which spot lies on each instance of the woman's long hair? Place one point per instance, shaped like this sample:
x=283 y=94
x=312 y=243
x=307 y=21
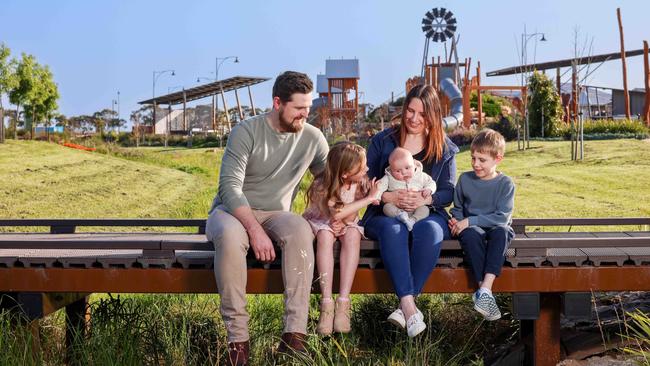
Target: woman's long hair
x=434 y=143
x=342 y=158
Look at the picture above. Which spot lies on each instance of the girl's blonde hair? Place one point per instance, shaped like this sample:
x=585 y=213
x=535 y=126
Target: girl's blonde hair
x=342 y=159
x=434 y=143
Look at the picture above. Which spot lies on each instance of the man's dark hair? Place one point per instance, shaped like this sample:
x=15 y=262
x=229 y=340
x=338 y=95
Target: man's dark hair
x=290 y=82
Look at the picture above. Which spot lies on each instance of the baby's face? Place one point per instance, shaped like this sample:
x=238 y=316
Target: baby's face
x=403 y=169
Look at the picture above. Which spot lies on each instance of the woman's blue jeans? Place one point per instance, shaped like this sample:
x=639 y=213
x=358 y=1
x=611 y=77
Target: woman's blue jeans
x=409 y=257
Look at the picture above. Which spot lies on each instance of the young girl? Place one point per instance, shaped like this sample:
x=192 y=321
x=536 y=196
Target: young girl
x=334 y=200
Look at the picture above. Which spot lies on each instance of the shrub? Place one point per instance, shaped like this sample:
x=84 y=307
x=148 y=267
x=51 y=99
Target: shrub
x=505 y=126
x=491 y=105
x=543 y=98
x=607 y=129
x=462 y=137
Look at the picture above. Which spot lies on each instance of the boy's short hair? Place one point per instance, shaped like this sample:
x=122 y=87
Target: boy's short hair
x=290 y=82
x=489 y=141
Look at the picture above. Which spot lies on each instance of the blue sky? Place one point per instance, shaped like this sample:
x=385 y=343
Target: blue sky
x=96 y=48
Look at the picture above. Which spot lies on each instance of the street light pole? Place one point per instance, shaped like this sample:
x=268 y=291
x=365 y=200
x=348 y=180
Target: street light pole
x=525 y=37
x=218 y=61
x=118 y=112
x=156 y=75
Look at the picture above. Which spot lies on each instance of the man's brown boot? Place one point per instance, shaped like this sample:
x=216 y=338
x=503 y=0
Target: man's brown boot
x=293 y=343
x=238 y=353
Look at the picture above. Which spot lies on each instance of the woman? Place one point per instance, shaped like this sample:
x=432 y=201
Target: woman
x=409 y=259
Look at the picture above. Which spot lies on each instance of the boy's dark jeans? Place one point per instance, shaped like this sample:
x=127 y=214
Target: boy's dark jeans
x=485 y=248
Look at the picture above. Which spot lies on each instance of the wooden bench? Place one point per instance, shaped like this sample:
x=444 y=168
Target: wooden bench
x=43 y=271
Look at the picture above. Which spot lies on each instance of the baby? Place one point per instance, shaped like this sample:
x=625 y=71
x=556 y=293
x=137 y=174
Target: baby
x=404 y=172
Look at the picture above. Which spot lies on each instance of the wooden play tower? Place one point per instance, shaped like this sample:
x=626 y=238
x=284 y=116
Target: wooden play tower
x=340 y=88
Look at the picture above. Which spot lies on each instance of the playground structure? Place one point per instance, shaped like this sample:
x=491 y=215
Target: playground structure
x=337 y=105
x=449 y=76
x=452 y=80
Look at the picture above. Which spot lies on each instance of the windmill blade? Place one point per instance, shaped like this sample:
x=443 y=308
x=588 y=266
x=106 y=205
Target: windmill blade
x=451 y=28
x=442 y=12
x=448 y=15
x=435 y=12
x=430 y=15
x=442 y=37
x=427 y=21
x=430 y=33
x=449 y=33
x=451 y=21
x=435 y=37
x=426 y=28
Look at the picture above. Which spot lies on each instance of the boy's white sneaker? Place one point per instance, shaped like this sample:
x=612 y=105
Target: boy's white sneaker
x=397 y=318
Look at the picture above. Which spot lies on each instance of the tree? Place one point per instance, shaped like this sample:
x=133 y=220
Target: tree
x=43 y=97
x=7 y=82
x=23 y=89
x=544 y=106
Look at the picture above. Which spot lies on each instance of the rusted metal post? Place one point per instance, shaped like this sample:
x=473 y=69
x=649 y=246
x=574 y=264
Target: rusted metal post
x=574 y=110
x=2 y=126
x=646 y=72
x=77 y=322
x=250 y=96
x=153 y=129
x=625 y=92
x=478 y=94
x=546 y=349
x=241 y=112
x=558 y=82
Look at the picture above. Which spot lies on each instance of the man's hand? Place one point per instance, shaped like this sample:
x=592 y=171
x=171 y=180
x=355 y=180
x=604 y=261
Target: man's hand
x=426 y=192
x=459 y=226
x=262 y=245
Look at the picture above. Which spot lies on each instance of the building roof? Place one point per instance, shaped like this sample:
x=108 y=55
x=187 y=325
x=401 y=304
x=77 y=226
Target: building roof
x=205 y=90
x=342 y=69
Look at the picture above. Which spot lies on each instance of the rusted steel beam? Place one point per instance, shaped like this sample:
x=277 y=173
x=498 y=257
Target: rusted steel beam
x=546 y=330
x=156 y=280
x=496 y=87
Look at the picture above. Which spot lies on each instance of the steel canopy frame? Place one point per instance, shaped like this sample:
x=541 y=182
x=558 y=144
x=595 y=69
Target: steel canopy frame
x=205 y=90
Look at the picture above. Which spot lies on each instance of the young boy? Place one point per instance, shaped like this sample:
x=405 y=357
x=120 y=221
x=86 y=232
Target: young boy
x=481 y=217
x=404 y=172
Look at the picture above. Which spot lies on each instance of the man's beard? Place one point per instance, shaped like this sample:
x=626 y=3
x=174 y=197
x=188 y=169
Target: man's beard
x=289 y=125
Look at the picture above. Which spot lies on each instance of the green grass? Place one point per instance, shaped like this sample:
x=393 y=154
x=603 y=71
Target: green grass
x=46 y=180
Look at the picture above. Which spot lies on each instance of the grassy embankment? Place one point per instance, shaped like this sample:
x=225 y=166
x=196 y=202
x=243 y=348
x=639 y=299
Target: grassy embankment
x=43 y=180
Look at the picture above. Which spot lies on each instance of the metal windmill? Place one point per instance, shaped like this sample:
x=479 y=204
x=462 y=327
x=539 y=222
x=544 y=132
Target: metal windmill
x=438 y=25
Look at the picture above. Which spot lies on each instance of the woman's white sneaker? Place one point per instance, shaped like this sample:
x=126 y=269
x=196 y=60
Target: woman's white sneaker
x=415 y=325
x=397 y=318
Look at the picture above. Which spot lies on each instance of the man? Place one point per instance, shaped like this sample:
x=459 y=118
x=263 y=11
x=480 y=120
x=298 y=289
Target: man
x=264 y=161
